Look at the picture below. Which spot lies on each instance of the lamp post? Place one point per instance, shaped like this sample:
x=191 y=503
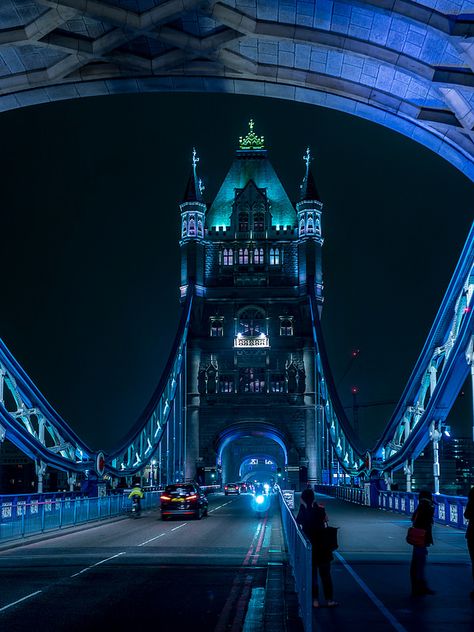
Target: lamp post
x=153 y=463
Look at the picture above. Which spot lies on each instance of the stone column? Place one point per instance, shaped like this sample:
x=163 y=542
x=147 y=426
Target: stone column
x=313 y=429
x=192 y=421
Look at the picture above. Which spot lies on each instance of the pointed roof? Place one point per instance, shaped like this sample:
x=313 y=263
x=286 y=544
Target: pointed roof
x=194 y=188
x=308 y=190
x=251 y=163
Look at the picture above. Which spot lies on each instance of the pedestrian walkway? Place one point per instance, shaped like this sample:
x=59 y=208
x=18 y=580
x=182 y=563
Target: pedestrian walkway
x=371 y=575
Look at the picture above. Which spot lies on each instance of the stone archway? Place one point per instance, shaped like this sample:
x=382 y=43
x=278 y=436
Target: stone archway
x=406 y=65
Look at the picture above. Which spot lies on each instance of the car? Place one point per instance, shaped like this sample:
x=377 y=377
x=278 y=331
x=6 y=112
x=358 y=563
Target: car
x=243 y=486
x=231 y=488
x=183 y=499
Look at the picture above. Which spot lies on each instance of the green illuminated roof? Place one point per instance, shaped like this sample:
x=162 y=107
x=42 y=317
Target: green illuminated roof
x=251 y=165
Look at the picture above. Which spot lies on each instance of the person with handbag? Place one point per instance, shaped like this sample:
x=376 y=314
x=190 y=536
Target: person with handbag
x=469 y=515
x=422 y=520
x=312 y=519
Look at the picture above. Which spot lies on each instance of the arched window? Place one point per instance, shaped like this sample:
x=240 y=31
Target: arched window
x=243 y=222
x=184 y=229
x=258 y=222
x=310 y=225
x=200 y=233
x=302 y=226
x=226 y=257
x=231 y=257
x=258 y=256
x=246 y=256
x=251 y=322
x=317 y=227
x=274 y=256
x=252 y=380
x=286 y=327
x=217 y=328
x=241 y=256
x=192 y=225
x=226 y=384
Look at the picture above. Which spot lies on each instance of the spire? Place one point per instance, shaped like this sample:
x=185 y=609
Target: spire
x=194 y=187
x=251 y=141
x=308 y=190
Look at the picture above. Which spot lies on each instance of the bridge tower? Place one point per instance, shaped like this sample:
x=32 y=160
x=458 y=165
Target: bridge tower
x=251 y=257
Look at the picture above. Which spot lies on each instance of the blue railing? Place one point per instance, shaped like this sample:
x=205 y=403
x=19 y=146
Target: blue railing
x=449 y=510
x=21 y=516
x=299 y=552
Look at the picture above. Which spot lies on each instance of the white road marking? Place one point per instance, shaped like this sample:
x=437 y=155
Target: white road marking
x=179 y=526
x=98 y=564
x=375 y=600
x=151 y=539
x=220 y=506
x=20 y=600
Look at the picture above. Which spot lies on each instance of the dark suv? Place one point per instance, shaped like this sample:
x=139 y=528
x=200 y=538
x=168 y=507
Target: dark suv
x=183 y=499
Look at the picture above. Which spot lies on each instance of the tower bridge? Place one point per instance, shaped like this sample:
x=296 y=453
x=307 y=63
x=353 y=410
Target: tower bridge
x=248 y=375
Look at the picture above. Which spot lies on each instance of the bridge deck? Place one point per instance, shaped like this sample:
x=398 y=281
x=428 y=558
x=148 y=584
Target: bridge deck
x=372 y=546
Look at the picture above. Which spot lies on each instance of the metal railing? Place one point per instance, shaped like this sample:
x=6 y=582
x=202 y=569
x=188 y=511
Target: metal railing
x=24 y=516
x=449 y=510
x=299 y=552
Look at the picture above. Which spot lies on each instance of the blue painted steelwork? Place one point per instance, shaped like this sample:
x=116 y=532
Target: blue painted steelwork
x=299 y=552
x=435 y=382
x=25 y=515
x=31 y=423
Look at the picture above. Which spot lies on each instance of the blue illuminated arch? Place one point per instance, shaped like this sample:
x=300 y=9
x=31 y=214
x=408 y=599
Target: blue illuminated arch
x=249 y=429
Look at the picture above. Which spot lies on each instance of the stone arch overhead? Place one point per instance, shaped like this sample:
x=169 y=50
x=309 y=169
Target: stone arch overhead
x=252 y=429
x=404 y=64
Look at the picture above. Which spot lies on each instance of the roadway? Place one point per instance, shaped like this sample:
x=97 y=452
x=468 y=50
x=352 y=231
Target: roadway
x=202 y=575
x=122 y=575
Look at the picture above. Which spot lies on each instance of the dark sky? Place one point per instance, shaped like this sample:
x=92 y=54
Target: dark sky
x=90 y=243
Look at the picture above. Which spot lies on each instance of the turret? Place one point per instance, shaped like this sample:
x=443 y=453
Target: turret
x=193 y=210
x=309 y=210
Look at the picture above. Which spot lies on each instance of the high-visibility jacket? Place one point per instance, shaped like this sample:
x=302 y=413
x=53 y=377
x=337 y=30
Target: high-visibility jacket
x=136 y=491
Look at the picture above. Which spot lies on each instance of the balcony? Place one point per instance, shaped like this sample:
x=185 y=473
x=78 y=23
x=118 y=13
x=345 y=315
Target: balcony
x=248 y=342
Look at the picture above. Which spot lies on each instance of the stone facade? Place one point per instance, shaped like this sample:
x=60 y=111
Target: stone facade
x=250 y=344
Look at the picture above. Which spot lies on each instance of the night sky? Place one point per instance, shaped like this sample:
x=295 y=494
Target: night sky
x=90 y=274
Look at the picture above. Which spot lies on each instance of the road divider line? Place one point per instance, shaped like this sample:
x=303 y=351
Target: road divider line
x=374 y=599
x=179 y=526
x=98 y=563
x=151 y=539
x=10 y=605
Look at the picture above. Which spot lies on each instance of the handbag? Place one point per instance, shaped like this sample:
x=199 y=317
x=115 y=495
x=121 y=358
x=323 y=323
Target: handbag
x=329 y=538
x=416 y=537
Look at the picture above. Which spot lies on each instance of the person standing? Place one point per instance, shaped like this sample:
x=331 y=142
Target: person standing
x=469 y=515
x=422 y=519
x=312 y=519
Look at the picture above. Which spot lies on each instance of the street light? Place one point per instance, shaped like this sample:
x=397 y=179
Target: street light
x=153 y=463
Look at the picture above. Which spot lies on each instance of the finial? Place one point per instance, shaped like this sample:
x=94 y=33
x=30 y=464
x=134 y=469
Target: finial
x=251 y=141
x=201 y=185
x=307 y=157
x=195 y=158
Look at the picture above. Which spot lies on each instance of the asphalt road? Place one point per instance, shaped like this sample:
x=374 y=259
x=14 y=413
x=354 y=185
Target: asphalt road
x=174 y=575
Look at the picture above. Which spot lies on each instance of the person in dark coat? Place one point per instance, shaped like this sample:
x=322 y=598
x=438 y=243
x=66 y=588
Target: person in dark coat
x=312 y=519
x=422 y=519
x=469 y=515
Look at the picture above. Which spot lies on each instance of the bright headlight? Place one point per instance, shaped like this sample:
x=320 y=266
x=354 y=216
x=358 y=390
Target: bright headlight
x=259 y=499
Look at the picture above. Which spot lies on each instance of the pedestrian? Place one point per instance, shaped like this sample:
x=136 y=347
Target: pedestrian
x=312 y=519
x=469 y=515
x=422 y=518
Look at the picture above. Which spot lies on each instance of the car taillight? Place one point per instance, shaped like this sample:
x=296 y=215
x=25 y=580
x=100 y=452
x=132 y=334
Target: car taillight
x=192 y=497
x=165 y=497
x=226 y=487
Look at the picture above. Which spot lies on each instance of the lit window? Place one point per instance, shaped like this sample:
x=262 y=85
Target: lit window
x=274 y=256
x=310 y=226
x=184 y=229
x=251 y=322
x=252 y=380
x=200 y=233
x=192 y=226
x=226 y=384
x=228 y=257
x=302 y=227
x=258 y=256
x=243 y=256
x=243 y=222
x=277 y=384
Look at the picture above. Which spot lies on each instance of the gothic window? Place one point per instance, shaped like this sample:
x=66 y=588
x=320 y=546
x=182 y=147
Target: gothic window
x=258 y=256
x=277 y=384
x=286 y=327
x=317 y=227
x=243 y=256
x=200 y=233
x=310 y=225
x=192 y=225
x=226 y=384
x=228 y=257
x=258 y=222
x=252 y=380
x=251 y=322
x=243 y=222
x=184 y=229
x=274 y=256
x=217 y=328
x=220 y=257
x=302 y=226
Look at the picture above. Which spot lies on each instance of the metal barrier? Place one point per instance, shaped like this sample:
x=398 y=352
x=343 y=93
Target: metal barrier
x=22 y=516
x=299 y=551
x=449 y=510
